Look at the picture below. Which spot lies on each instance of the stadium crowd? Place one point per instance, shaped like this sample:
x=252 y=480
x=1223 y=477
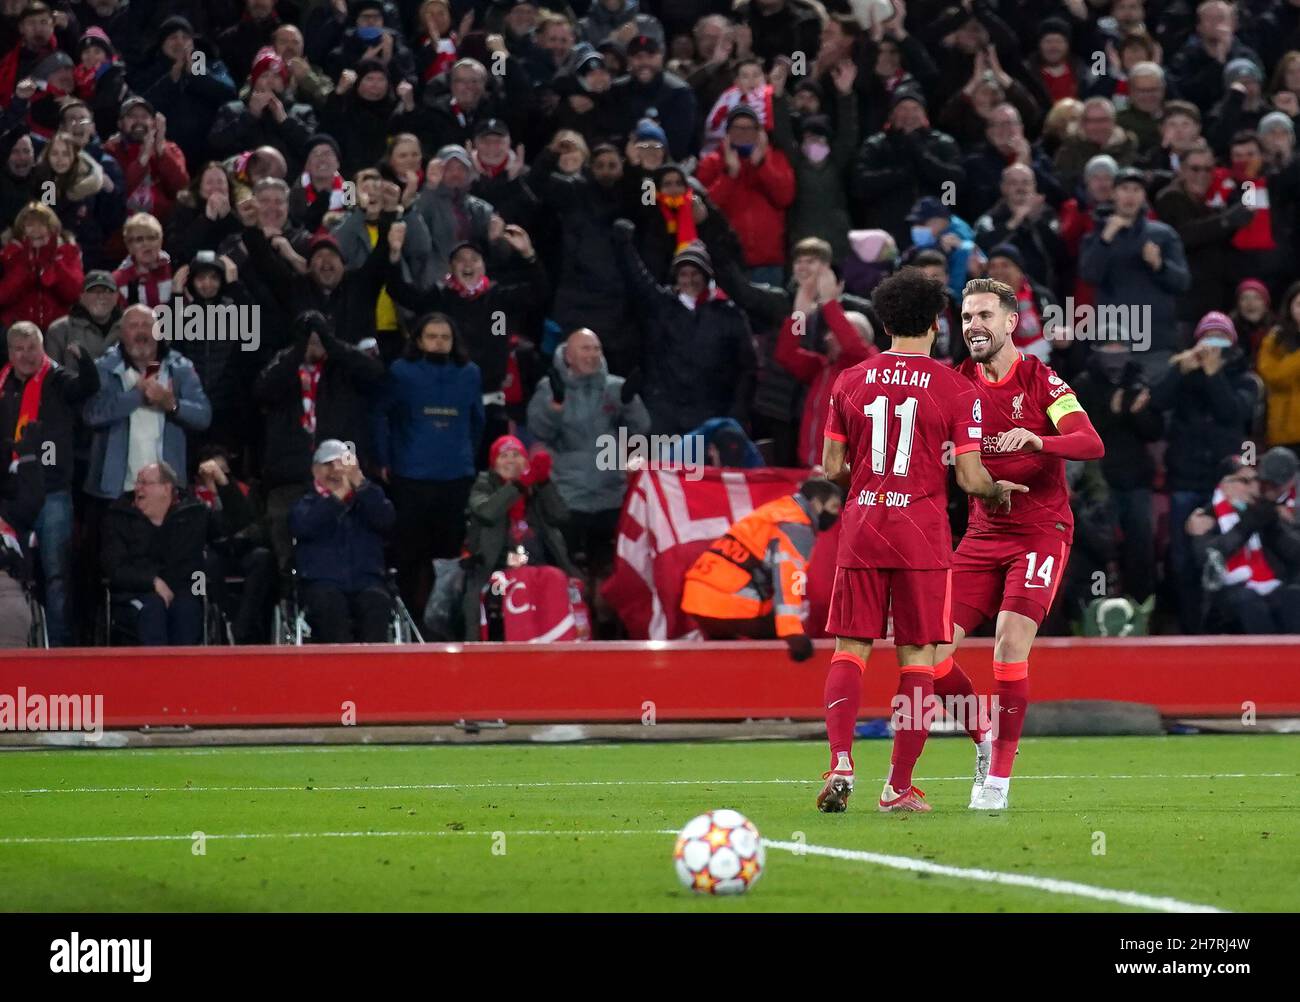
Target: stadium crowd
x=422 y=258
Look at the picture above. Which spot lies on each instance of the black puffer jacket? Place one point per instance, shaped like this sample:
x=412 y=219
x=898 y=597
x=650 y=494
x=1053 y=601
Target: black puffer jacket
x=699 y=363
x=1209 y=418
x=350 y=376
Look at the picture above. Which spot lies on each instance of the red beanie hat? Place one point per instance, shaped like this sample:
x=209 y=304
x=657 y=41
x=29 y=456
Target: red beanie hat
x=502 y=444
x=267 y=60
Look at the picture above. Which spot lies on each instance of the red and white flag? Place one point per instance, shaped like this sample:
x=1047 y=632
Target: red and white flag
x=668 y=520
x=538 y=606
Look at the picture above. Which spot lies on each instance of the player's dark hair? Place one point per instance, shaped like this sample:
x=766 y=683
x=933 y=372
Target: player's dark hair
x=1006 y=295
x=820 y=489
x=908 y=302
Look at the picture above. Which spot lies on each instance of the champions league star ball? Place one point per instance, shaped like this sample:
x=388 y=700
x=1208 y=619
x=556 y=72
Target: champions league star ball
x=719 y=853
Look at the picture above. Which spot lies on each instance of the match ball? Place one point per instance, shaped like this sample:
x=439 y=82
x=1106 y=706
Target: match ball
x=719 y=853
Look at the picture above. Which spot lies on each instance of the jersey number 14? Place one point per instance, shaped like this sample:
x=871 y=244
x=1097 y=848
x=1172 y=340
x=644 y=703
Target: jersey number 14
x=878 y=412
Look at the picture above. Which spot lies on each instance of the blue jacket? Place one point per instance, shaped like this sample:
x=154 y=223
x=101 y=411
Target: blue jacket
x=108 y=413
x=1124 y=279
x=342 y=543
x=429 y=419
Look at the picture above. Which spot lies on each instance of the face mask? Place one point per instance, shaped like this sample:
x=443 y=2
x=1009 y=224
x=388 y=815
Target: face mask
x=825 y=520
x=436 y=357
x=743 y=151
x=370 y=34
x=816 y=150
x=922 y=237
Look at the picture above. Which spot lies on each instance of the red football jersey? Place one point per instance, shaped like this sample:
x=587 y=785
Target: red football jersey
x=902 y=417
x=1029 y=396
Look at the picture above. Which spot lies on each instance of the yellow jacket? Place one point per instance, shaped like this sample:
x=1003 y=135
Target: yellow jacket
x=1280 y=370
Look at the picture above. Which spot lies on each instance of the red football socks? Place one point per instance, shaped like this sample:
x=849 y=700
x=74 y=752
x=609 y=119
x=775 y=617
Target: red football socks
x=911 y=724
x=951 y=683
x=843 y=694
x=1013 y=700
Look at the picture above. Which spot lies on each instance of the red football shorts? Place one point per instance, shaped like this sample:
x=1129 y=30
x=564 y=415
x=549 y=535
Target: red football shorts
x=1016 y=573
x=921 y=602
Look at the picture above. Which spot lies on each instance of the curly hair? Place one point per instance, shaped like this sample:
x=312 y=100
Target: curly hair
x=907 y=303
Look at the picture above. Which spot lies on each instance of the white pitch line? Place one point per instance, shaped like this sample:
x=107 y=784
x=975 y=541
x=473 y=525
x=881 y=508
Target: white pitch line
x=1051 y=885
x=381 y=787
x=241 y=836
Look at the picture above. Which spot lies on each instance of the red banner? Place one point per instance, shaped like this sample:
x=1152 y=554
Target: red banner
x=669 y=518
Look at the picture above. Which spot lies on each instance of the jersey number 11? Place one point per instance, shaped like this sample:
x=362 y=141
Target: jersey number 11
x=878 y=412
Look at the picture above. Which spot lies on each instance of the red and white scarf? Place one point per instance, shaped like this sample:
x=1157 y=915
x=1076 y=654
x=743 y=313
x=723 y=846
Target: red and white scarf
x=309 y=380
x=1248 y=565
x=153 y=288
x=444 y=54
x=759 y=100
x=29 y=408
x=336 y=190
x=464 y=291
x=1029 y=328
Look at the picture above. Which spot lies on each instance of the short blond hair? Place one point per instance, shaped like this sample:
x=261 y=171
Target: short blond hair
x=142 y=222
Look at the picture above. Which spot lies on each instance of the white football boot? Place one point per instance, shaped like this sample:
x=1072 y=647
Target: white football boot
x=989 y=798
x=983 y=758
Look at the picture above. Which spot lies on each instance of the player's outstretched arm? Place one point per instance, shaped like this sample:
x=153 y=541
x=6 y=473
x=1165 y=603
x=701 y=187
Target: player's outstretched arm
x=975 y=480
x=835 y=463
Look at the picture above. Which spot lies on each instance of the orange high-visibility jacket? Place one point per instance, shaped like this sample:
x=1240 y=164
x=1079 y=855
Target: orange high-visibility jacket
x=759 y=568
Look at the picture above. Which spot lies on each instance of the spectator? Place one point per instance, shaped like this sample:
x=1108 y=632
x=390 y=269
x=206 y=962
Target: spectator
x=36 y=40
x=847 y=339
x=345 y=298
x=16 y=183
x=241 y=43
x=145 y=276
x=358 y=112
x=1210 y=397
x=187 y=83
x=265 y=114
x=752 y=184
x=1142 y=116
x=1242 y=104
x=1116 y=396
x=1137 y=263
x=1023 y=218
x=203 y=217
x=935 y=225
x=83 y=197
x=966 y=114
x=781 y=27
x=1205 y=230
x=648 y=86
x=153 y=165
x=1180 y=129
x=752 y=581
x=577 y=412
x=1279 y=367
x=313 y=390
x=1198 y=67
x=93 y=324
x=1252 y=548
x=1259 y=245
x=33 y=388
x=149 y=397
x=371 y=39
x=821 y=157
x=1097 y=133
x=309 y=83
x=586 y=99
x=702 y=361
x=339 y=529
x=42 y=269
x=427 y=425
x=153 y=554
x=482 y=309
x=100 y=78
x=904 y=162
x=516 y=517
x=620 y=18
x=1253 y=314
x=451 y=214
x=1004 y=145
x=22 y=491
x=449 y=119
x=589 y=285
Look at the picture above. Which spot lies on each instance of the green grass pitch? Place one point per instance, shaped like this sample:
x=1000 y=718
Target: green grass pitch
x=1208 y=821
